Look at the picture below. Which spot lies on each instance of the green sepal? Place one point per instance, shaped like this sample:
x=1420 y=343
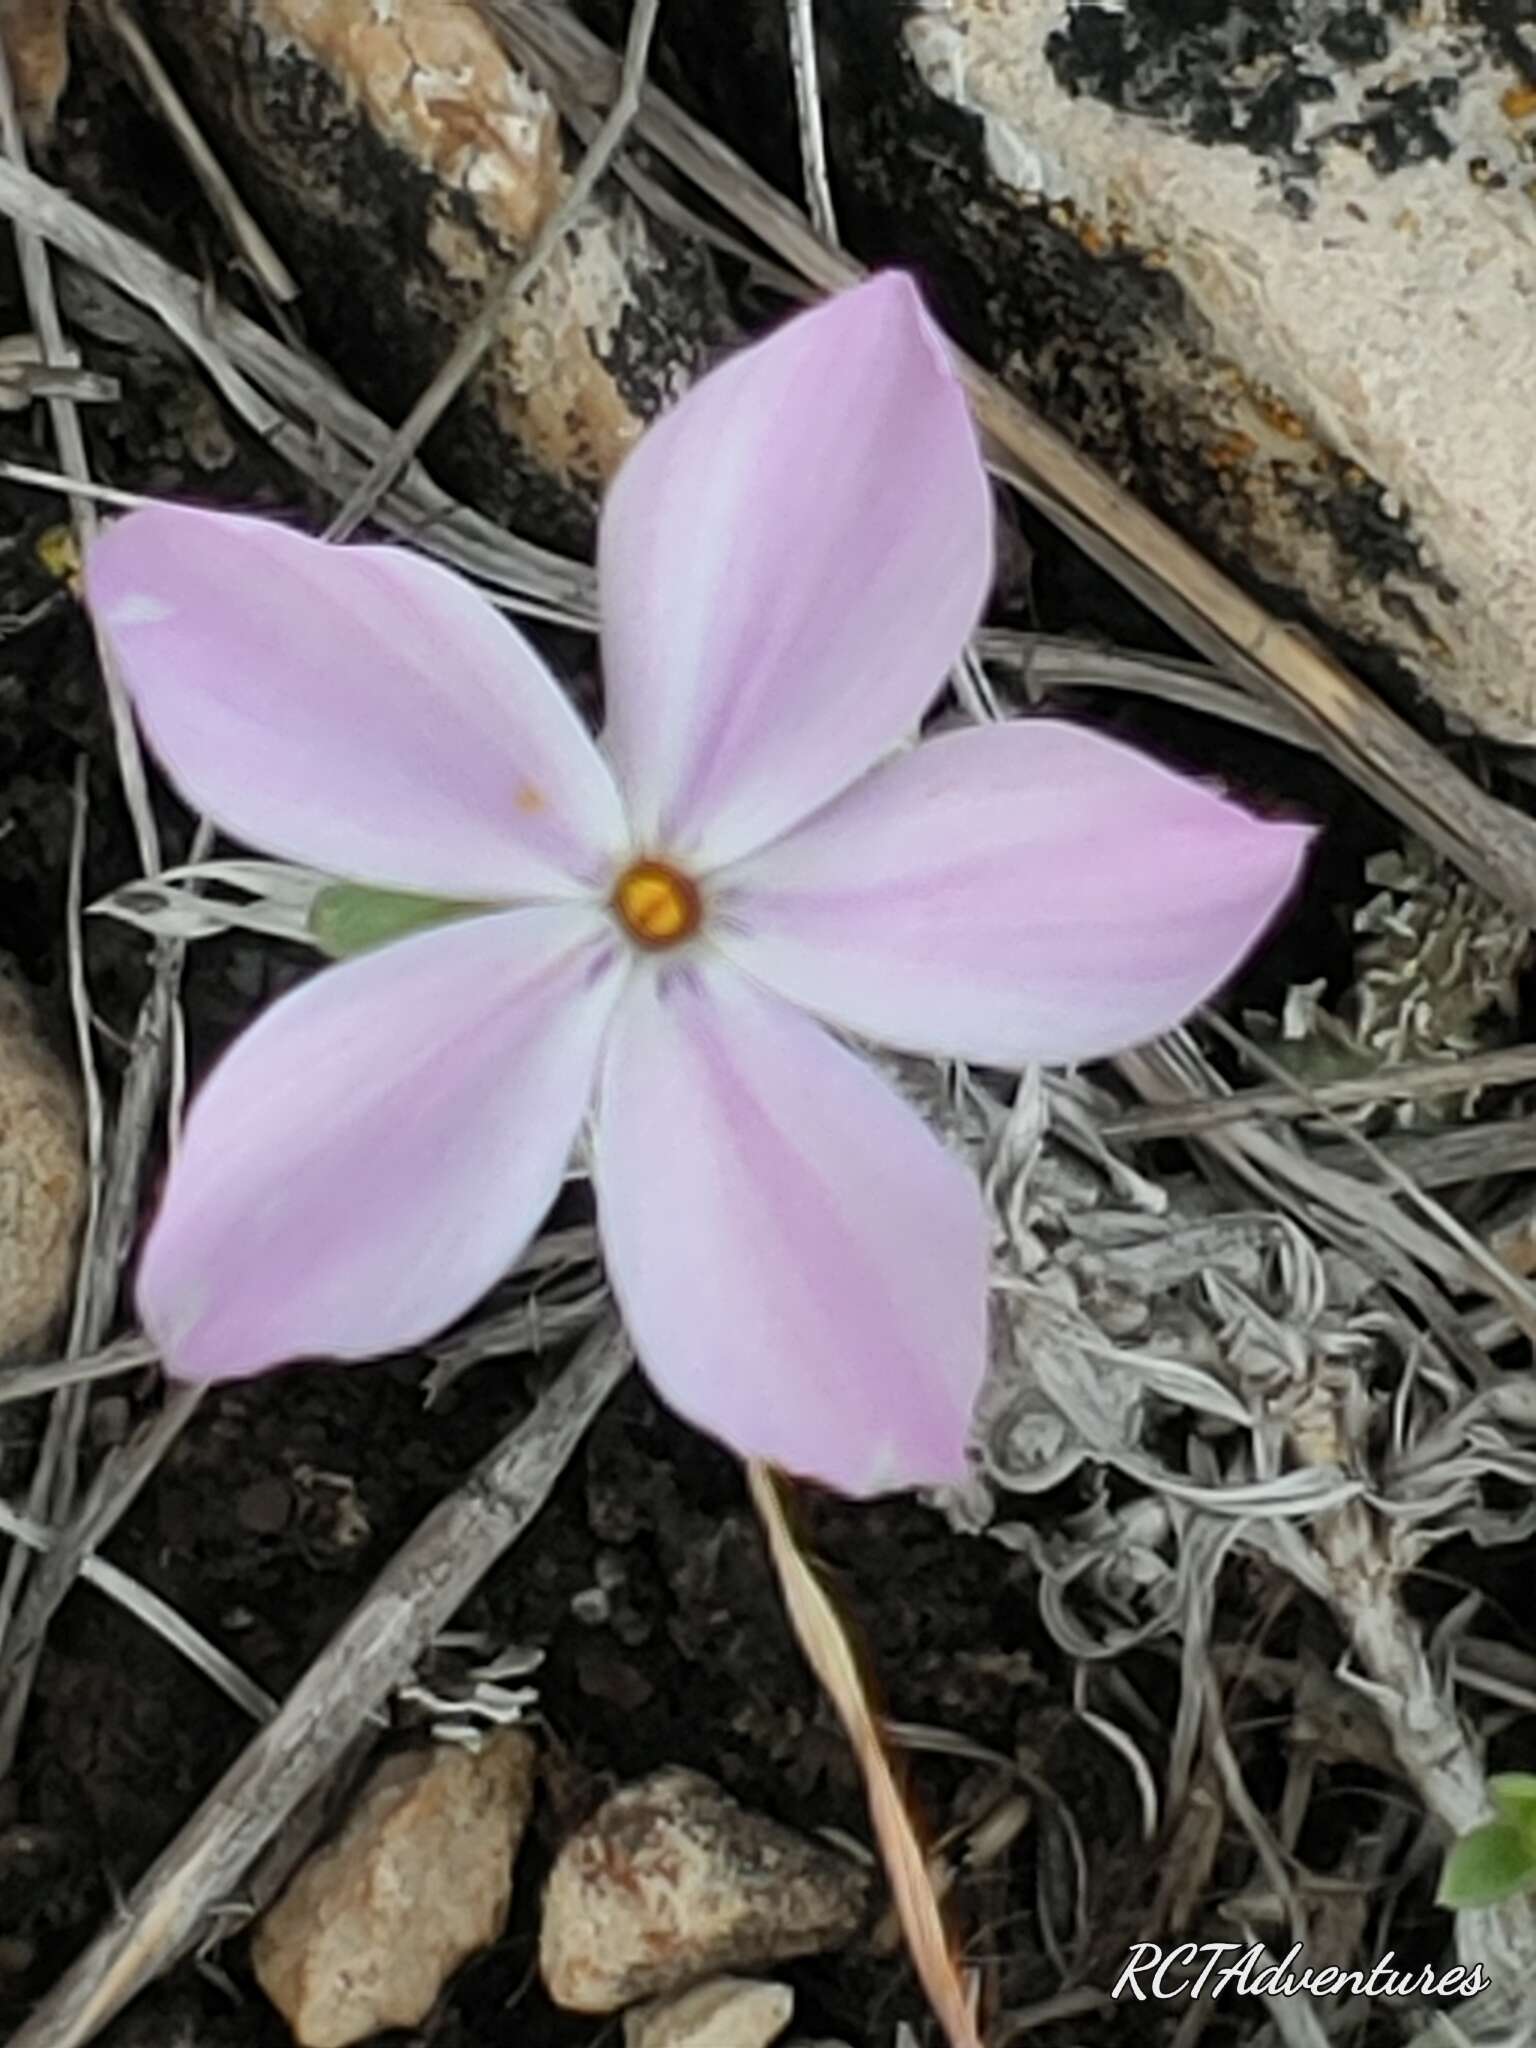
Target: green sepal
x=1513 y=1794
x=1490 y=1863
x=347 y=918
x=1513 y=1798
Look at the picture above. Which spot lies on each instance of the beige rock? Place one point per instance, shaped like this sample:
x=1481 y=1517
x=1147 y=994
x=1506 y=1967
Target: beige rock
x=725 y=2012
x=671 y=1881
x=42 y=1177
x=418 y=1880
x=1327 y=379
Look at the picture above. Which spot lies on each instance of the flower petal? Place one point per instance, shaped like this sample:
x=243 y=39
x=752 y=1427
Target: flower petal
x=378 y=1148
x=789 y=561
x=357 y=708
x=1011 y=893
x=801 y=1263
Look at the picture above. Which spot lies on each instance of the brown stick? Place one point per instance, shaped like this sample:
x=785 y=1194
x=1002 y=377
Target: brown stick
x=377 y=1648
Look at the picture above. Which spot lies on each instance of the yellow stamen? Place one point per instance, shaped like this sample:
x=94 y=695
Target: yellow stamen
x=656 y=905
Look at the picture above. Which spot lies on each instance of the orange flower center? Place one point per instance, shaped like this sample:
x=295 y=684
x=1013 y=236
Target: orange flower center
x=656 y=905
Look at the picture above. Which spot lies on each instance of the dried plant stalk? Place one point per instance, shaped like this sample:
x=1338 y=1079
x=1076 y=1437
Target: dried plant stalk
x=373 y=1654
x=830 y=1655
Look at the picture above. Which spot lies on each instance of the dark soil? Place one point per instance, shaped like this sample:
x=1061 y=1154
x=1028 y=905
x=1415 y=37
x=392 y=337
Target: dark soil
x=270 y=1518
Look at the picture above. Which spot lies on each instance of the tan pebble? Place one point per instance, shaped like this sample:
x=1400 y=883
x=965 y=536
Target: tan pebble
x=725 y=2012
x=419 y=1879
x=43 y=1180
x=670 y=1881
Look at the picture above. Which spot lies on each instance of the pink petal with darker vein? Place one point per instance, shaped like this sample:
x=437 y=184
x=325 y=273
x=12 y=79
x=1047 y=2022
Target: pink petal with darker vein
x=1011 y=893
x=355 y=708
x=789 y=561
x=376 y=1150
x=801 y=1263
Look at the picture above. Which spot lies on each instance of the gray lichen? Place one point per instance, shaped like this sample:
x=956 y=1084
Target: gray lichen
x=1437 y=969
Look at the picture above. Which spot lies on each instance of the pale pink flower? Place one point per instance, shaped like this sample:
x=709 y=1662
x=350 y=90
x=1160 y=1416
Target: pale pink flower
x=789 y=563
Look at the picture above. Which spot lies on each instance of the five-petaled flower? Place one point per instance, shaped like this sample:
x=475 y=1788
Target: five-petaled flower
x=789 y=563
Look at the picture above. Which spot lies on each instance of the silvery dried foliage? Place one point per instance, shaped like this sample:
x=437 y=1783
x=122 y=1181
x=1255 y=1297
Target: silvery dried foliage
x=1262 y=1385
x=1251 y=1376
x=1437 y=968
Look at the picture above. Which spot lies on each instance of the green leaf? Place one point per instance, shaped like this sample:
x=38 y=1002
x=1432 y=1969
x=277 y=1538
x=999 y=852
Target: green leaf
x=1513 y=1794
x=1493 y=1862
x=347 y=918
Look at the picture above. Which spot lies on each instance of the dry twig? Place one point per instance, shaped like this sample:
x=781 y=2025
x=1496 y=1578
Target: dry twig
x=482 y=331
x=272 y=389
x=114 y=1206
x=245 y=233
x=426 y=1581
x=813 y=140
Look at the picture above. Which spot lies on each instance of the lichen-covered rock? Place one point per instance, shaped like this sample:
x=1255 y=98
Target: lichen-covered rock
x=419 y=1879
x=1319 y=217
x=43 y=1181
x=670 y=1881
x=403 y=164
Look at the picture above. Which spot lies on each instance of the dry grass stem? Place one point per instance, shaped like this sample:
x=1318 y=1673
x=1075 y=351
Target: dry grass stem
x=414 y=1597
x=1044 y=662
x=1422 y=1080
x=471 y=347
x=156 y=1615
x=246 y=236
x=102 y=1260
x=26 y=1382
x=54 y=480
x=1494 y=1278
x=1470 y=1152
x=114 y=1200
x=118 y=1483
x=829 y=1653
x=303 y=413
x=800 y=16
